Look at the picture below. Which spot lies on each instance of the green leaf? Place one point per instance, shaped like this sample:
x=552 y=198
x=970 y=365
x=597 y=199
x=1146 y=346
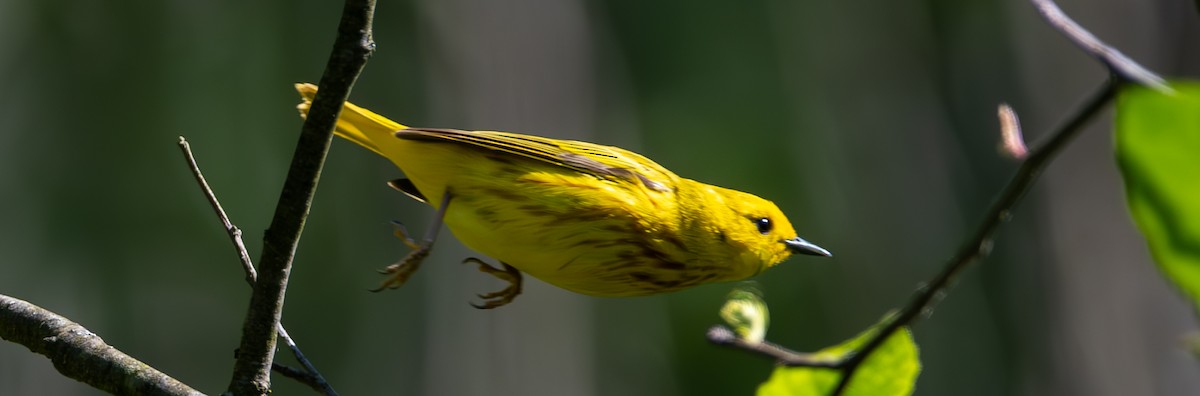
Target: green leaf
x=890 y=370
x=1158 y=150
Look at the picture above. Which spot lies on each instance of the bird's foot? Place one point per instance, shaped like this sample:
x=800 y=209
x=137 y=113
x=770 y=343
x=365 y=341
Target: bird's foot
x=500 y=297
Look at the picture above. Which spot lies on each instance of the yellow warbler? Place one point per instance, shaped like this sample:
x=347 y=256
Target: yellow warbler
x=592 y=219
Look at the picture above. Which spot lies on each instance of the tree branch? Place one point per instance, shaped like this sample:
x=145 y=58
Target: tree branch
x=1116 y=62
x=979 y=244
x=309 y=376
x=722 y=336
x=351 y=49
x=80 y=354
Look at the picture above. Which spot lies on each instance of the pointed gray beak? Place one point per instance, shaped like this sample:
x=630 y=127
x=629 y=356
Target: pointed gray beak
x=801 y=246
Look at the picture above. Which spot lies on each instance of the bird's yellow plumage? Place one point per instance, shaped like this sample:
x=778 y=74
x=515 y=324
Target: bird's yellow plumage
x=593 y=219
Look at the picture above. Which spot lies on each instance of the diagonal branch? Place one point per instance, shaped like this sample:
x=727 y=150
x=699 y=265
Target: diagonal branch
x=80 y=354
x=235 y=233
x=1116 y=62
x=351 y=49
x=980 y=242
x=978 y=245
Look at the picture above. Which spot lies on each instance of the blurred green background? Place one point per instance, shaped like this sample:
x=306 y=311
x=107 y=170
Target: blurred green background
x=872 y=123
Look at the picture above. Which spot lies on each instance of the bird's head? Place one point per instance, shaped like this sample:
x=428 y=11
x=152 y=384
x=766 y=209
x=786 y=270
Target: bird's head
x=757 y=228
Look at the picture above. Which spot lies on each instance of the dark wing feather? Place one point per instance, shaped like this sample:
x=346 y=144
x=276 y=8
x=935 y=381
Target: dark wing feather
x=602 y=161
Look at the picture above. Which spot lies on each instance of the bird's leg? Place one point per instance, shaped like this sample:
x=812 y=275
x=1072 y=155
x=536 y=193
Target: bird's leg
x=501 y=297
x=399 y=272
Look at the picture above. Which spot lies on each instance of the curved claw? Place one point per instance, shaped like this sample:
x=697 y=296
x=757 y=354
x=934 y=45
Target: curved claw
x=477 y=306
x=500 y=297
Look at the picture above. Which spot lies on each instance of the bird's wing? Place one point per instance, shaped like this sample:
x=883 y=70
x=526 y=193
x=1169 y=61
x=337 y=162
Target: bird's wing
x=602 y=161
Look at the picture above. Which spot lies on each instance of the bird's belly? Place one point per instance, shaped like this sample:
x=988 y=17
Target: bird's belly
x=593 y=247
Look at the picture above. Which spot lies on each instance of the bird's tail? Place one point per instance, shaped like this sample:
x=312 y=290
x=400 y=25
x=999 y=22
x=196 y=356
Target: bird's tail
x=356 y=124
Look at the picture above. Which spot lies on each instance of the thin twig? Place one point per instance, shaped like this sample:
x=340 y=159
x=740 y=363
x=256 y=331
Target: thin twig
x=298 y=375
x=1116 y=62
x=723 y=336
x=235 y=233
x=80 y=354
x=311 y=377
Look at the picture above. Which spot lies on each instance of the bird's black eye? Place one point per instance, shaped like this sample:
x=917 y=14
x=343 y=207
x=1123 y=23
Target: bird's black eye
x=764 y=225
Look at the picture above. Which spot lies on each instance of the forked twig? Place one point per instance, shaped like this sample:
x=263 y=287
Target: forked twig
x=309 y=376
x=978 y=245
